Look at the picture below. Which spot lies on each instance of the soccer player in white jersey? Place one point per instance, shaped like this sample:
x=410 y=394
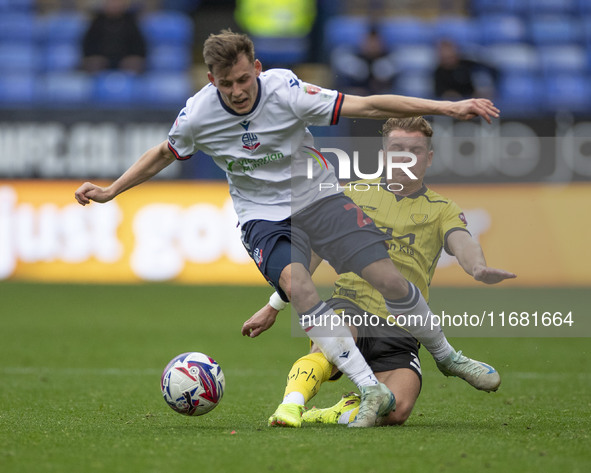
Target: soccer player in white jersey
x=253 y=124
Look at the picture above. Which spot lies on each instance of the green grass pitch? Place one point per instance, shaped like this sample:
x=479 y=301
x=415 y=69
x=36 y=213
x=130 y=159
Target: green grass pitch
x=80 y=369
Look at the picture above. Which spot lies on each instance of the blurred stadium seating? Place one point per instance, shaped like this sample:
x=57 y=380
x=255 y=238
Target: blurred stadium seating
x=17 y=88
x=40 y=57
x=546 y=43
x=281 y=52
x=541 y=49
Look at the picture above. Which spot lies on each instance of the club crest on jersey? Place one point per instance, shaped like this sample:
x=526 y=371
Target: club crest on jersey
x=419 y=218
x=250 y=141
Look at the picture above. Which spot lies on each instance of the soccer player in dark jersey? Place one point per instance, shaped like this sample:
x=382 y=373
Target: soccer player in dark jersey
x=421 y=223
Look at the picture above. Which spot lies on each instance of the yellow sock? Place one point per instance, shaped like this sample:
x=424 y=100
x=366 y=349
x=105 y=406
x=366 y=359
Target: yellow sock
x=307 y=374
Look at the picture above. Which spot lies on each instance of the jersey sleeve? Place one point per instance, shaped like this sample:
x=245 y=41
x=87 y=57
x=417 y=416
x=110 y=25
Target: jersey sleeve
x=453 y=219
x=313 y=104
x=180 y=137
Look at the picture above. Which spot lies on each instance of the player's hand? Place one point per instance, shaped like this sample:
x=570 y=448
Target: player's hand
x=259 y=322
x=89 y=191
x=491 y=275
x=472 y=108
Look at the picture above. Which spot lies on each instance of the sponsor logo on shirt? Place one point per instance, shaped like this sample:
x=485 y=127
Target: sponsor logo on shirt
x=311 y=89
x=252 y=164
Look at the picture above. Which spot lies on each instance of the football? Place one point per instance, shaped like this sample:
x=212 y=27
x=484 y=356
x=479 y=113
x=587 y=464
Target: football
x=192 y=384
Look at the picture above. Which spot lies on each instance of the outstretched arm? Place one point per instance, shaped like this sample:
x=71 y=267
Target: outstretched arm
x=399 y=106
x=471 y=259
x=148 y=165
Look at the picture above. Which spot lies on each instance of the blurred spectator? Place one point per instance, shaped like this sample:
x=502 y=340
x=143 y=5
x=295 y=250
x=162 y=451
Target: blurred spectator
x=279 y=29
x=368 y=68
x=114 y=40
x=459 y=77
x=276 y=18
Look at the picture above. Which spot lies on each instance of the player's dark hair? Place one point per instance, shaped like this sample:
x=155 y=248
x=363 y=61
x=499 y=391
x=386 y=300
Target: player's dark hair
x=408 y=124
x=222 y=51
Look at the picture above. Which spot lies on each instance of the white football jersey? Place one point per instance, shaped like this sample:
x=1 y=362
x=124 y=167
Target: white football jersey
x=268 y=153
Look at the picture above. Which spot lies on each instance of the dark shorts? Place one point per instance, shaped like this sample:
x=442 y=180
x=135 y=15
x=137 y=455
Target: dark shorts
x=335 y=228
x=385 y=348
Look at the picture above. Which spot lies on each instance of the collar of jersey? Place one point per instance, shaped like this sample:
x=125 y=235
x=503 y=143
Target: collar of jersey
x=414 y=195
x=229 y=110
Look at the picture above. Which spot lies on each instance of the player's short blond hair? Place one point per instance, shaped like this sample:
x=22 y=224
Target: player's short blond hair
x=408 y=124
x=222 y=51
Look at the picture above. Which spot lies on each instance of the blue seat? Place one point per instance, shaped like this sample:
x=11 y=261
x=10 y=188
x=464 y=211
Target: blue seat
x=510 y=58
x=586 y=29
x=554 y=30
x=20 y=27
x=405 y=30
x=63 y=27
x=485 y=7
x=417 y=84
x=62 y=56
x=345 y=31
x=561 y=7
x=167 y=27
x=169 y=57
x=569 y=92
x=17 y=88
x=11 y=6
x=19 y=58
x=583 y=7
x=460 y=30
x=496 y=29
x=520 y=93
x=281 y=51
x=415 y=58
x=567 y=58
x=165 y=89
x=114 y=88
x=65 y=88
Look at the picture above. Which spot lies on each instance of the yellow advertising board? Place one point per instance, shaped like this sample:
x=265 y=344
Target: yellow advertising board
x=187 y=232
x=160 y=231
x=538 y=231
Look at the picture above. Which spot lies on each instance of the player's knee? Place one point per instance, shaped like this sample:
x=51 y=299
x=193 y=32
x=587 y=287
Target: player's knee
x=384 y=276
x=392 y=286
x=400 y=415
x=301 y=296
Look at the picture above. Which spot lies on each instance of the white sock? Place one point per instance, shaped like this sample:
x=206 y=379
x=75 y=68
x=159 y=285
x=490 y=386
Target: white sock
x=294 y=397
x=327 y=331
x=424 y=327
